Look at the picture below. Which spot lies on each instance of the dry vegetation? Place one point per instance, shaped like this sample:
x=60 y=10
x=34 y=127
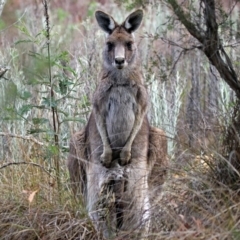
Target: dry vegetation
x=188 y=100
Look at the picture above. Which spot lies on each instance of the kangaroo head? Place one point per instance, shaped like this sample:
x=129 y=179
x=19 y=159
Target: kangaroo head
x=120 y=48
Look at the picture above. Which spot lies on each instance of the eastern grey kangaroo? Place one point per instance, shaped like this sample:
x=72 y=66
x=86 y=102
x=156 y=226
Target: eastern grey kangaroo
x=111 y=159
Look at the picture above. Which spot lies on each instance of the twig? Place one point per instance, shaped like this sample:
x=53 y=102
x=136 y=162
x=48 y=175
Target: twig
x=28 y=138
x=26 y=163
x=3 y=70
x=19 y=19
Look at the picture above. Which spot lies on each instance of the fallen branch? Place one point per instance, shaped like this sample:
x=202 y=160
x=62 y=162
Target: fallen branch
x=28 y=138
x=26 y=163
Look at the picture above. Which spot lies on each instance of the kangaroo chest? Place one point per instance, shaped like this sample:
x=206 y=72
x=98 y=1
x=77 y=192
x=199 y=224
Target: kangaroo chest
x=120 y=114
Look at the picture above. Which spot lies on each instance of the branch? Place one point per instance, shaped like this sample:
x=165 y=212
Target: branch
x=211 y=44
x=26 y=163
x=183 y=19
x=28 y=138
x=3 y=70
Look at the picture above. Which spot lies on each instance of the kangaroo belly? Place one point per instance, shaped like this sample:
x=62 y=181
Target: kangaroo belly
x=120 y=116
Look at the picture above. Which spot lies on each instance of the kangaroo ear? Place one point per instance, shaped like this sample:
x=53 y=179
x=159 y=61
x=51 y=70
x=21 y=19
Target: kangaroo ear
x=105 y=22
x=133 y=21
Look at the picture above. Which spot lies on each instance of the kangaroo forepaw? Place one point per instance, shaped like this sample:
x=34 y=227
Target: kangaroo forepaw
x=125 y=156
x=106 y=158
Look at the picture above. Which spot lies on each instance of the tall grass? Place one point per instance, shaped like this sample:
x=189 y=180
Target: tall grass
x=193 y=203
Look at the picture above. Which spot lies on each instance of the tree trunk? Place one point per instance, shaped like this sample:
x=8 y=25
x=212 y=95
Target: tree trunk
x=2 y=3
x=210 y=41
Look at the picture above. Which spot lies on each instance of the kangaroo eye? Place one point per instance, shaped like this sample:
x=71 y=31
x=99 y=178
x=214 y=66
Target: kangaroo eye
x=110 y=46
x=129 y=45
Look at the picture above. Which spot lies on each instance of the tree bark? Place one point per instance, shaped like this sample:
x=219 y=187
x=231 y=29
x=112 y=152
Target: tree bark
x=210 y=42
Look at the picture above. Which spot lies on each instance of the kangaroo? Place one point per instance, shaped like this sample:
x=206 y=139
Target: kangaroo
x=120 y=102
x=111 y=159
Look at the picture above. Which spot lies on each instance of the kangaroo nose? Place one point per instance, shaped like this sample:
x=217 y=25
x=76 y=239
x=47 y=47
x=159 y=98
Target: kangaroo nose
x=119 y=61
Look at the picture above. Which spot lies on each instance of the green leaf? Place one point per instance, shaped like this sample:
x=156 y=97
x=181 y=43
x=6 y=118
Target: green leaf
x=2 y=24
x=63 y=86
x=24 y=109
x=25 y=95
x=85 y=102
x=40 y=120
x=23 y=41
x=63 y=56
x=51 y=151
x=61 y=111
x=11 y=118
x=61 y=14
x=50 y=102
x=23 y=29
x=91 y=9
x=10 y=93
x=67 y=68
x=36 y=130
x=39 y=107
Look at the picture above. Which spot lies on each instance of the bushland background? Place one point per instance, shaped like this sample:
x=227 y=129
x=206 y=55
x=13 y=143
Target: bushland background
x=50 y=58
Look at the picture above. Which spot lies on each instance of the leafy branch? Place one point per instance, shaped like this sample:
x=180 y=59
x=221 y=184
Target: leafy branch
x=52 y=99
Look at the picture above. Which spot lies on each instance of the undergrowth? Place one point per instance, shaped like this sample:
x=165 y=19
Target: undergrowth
x=45 y=96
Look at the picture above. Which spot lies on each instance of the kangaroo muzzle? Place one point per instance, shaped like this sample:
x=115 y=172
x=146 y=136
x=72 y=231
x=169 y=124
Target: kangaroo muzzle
x=119 y=61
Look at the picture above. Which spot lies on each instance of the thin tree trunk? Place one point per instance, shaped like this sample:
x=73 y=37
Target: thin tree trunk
x=2 y=3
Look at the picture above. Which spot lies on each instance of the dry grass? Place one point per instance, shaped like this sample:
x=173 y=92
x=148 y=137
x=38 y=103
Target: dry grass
x=193 y=204
x=33 y=208
x=20 y=221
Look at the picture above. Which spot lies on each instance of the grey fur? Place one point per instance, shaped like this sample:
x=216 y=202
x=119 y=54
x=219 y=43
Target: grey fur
x=110 y=161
